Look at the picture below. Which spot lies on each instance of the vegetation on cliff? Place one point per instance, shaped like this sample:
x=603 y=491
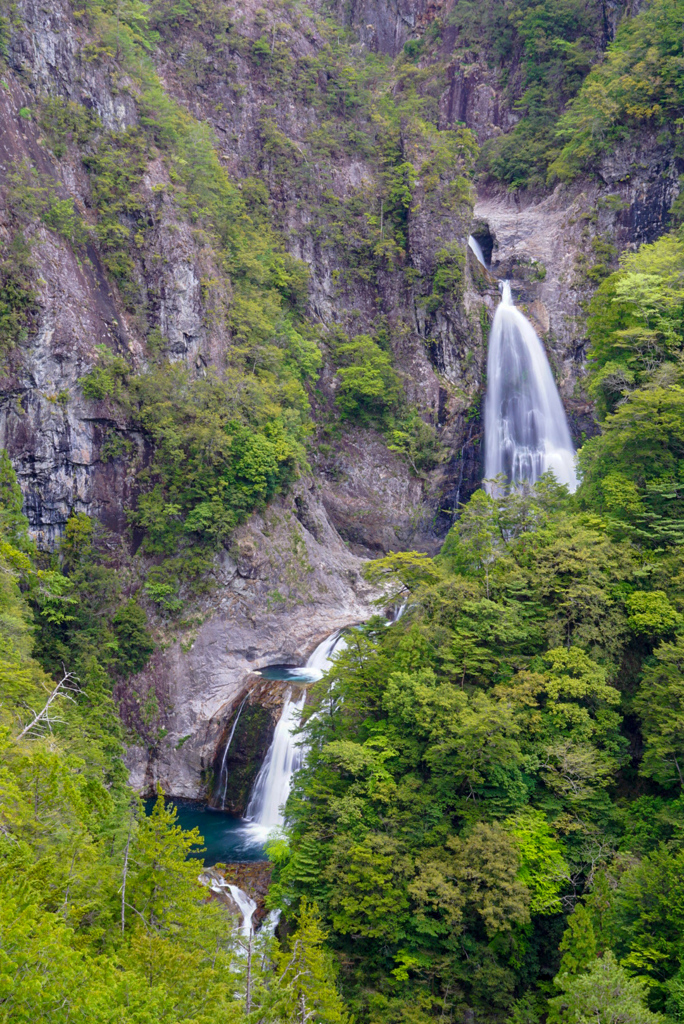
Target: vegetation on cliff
x=493 y=792
x=489 y=821
x=102 y=917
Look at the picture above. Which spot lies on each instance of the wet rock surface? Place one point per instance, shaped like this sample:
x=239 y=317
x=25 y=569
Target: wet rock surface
x=254 y=880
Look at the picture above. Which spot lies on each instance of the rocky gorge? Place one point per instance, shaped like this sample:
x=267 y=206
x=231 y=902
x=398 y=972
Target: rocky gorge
x=278 y=98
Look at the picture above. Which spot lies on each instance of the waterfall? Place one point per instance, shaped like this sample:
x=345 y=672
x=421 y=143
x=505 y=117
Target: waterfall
x=272 y=786
x=285 y=755
x=223 y=774
x=477 y=249
x=321 y=659
x=246 y=906
x=526 y=431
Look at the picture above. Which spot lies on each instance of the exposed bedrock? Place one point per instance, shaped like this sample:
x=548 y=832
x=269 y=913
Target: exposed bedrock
x=285 y=589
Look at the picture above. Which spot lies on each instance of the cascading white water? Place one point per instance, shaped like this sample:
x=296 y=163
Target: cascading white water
x=321 y=659
x=526 y=431
x=246 y=906
x=223 y=774
x=477 y=249
x=272 y=786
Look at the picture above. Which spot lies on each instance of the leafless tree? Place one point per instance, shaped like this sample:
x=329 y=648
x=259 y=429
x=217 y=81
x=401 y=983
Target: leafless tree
x=46 y=717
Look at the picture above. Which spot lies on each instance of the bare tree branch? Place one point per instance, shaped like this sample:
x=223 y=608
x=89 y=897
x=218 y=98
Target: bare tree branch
x=45 y=715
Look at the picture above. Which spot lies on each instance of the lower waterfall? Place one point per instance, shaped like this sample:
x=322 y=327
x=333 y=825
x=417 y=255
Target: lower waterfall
x=246 y=905
x=284 y=757
x=272 y=785
x=526 y=430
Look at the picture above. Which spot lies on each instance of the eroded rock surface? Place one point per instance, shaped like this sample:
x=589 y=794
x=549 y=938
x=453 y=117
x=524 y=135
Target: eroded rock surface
x=276 y=600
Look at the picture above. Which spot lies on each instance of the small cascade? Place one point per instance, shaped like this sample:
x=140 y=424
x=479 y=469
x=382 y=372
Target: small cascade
x=477 y=249
x=272 y=786
x=223 y=774
x=285 y=755
x=321 y=659
x=526 y=430
x=246 y=906
x=270 y=923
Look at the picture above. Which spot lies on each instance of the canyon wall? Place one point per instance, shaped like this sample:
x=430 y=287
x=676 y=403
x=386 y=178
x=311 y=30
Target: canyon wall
x=292 y=573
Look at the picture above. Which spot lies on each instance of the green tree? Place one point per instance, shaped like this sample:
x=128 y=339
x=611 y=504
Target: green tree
x=578 y=944
x=304 y=976
x=369 y=387
x=162 y=889
x=606 y=994
x=660 y=706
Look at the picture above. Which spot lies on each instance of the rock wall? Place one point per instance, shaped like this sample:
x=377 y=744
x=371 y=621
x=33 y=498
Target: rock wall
x=288 y=587
x=293 y=573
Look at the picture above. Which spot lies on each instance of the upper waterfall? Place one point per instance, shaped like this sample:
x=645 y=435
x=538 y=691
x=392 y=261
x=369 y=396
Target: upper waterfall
x=476 y=248
x=526 y=430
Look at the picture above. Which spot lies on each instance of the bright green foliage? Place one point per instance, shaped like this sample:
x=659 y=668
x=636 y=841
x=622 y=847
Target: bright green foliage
x=636 y=320
x=369 y=387
x=578 y=944
x=651 y=614
x=544 y=870
x=638 y=85
x=660 y=704
x=306 y=975
x=605 y=995
x=160 y=874
x=634 y=470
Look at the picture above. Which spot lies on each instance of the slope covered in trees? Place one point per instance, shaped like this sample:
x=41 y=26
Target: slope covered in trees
x=489 y=824
x=491 y=815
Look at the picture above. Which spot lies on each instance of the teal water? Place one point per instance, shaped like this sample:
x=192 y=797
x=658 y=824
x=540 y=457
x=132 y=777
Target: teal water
x=226 y=838
x=287 y=673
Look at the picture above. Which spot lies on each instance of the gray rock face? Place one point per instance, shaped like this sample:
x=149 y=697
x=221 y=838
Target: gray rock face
x=288 y=588
x=293 y=574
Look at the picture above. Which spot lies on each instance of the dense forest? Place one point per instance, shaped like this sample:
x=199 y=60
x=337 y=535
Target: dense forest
x=489 y=822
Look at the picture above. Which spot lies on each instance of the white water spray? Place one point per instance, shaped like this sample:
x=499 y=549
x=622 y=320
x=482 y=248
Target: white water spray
x=526 y=431
x=285 y=755
x=246 y=906
x=272 y=786
x=477 y=249
x=322 y=658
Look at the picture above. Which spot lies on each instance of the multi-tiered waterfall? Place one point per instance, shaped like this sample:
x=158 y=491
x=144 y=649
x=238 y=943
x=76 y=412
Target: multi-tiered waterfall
x=526 y=431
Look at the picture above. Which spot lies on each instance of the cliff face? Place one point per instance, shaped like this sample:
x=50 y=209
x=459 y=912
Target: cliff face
x=378 y=206
x=292 y=582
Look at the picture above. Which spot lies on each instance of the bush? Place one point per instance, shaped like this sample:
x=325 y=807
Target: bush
x=369 y=387
x=134 y=643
